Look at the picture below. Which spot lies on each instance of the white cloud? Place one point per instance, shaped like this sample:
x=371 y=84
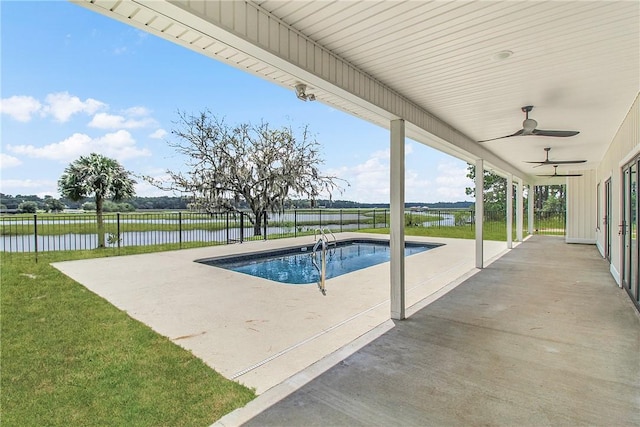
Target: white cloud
x=40 y=187
x=7 y=161
x=137 y=111
x=144 y=189
x=20 y=108
x=370 y=181
x=62 y=105
x=452 y=181
x=158 y=134
x=112 y=121
x=119 y=145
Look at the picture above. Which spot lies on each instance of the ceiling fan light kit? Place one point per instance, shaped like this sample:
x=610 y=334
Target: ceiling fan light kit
x=529 y=127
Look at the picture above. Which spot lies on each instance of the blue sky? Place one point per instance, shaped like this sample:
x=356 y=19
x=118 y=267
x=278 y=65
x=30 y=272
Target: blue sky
x=75 y=82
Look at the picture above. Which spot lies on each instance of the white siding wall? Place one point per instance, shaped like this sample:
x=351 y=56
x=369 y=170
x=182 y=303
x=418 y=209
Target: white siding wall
x=581 y=208
x=624 y=147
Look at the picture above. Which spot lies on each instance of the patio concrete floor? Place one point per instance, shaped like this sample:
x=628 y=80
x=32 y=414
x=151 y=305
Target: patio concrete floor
x=259 y=332
x=542 y=336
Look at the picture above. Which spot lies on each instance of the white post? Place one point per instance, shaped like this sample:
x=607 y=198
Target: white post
x=479 y=212
x=520 y=212
x=531 y=202
x=397 y=220
x=509 y=211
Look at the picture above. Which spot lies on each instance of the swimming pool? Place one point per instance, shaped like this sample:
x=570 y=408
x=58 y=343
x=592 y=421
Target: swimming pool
x=294 y=265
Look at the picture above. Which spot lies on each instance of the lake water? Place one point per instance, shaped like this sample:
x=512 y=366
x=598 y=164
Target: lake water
x=331 y=221
x=27 y=242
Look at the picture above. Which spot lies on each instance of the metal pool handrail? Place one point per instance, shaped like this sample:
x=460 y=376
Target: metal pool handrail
x=322 y=269
x=323 y=235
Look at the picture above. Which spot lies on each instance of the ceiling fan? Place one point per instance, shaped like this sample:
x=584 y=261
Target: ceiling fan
x=529 y=128
x=555 y=173
x=555 y=162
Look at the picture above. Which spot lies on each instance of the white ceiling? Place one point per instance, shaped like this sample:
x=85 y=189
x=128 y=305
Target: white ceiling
x=576 y=62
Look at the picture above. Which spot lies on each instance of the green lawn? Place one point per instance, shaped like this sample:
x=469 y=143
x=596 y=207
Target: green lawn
x=492 y=231
x=69 y=358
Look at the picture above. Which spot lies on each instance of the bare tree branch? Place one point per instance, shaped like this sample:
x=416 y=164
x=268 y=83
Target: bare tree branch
x=246 y=164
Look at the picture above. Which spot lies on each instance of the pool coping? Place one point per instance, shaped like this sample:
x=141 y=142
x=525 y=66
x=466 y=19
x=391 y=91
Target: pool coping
x=287 y=249
x=305 y=249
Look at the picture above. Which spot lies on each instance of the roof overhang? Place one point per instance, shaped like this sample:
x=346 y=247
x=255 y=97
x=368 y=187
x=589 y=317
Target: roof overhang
x=434 y=64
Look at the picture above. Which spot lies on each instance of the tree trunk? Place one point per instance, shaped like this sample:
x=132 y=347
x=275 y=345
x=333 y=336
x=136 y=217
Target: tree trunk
x=99 y=221
x=257 y=224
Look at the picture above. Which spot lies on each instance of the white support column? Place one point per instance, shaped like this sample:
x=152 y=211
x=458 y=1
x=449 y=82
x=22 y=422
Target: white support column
x=479 y=212
x=509 y=211
x=397 y=220
x=520 y=212
x=531 y=202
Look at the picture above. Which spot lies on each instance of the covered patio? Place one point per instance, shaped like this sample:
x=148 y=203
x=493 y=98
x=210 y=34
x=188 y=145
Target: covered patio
x=549 y=334
x=533 y=339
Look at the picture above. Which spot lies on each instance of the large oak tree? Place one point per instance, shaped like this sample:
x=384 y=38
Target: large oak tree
x=252 y=165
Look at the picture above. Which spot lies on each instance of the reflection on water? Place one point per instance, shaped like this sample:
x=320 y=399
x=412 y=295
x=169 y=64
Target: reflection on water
x=63 y=242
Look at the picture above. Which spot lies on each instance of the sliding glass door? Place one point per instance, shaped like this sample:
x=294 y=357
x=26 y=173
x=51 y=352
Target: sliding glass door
x=607 y=219
x=629 y=231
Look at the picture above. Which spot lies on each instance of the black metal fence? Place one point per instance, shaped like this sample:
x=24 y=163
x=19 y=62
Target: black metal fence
x=56 y=232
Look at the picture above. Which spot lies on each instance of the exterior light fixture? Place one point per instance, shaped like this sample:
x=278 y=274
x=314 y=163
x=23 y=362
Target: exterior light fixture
x=301 y=93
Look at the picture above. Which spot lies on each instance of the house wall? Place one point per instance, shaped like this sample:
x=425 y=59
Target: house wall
x=581 y=208
x=624 y=147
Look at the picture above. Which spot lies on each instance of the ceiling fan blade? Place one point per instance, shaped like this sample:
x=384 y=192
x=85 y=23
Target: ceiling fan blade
x=561 y=175
x=529 y=128
x=566 y=162
x=518 y=133
x=557 y=162
x=556 y=133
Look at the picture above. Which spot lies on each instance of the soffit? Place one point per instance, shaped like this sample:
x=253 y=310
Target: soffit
x=577 y=63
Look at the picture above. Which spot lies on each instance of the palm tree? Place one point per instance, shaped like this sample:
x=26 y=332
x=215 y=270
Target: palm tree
x=98 y=175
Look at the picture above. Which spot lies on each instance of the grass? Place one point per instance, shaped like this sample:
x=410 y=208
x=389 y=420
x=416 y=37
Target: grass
x=70 y=358
x=492 y=231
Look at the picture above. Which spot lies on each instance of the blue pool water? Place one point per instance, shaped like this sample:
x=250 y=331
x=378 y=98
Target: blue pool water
x=294 y=266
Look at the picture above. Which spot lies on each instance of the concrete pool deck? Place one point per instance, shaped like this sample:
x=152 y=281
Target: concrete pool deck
x=256 y=331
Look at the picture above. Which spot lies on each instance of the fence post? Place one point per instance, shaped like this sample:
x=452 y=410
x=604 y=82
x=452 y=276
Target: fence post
x=295 y=223
x=320 y=217
x=264 y=226
x=118 y=229
x=358 y=219
x=35 y=234
x=341 y=220
x=227 y=227
x=180 y=230
x=374 y=218
x=241 y=227
x=385 y=219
